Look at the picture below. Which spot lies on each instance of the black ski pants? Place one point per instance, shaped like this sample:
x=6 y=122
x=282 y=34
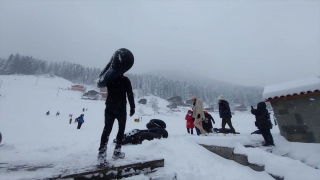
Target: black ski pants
x=266 y=134
x=112 y=112
x=79 y=125
x=188 y=129
x=227 y=121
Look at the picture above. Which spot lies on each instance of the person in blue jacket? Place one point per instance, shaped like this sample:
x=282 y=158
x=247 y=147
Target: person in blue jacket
x=80 y=121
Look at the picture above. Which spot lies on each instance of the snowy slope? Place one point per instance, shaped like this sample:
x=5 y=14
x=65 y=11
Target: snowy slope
x=32 y=138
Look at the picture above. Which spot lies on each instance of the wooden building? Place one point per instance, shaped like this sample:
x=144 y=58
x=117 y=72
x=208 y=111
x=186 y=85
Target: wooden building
x=78 y=88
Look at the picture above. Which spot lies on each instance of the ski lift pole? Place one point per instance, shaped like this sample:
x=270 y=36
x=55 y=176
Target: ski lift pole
x=37 y=80
x=58 y=91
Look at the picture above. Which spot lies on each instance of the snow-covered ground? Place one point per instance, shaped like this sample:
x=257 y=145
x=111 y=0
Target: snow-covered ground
x=34 y=139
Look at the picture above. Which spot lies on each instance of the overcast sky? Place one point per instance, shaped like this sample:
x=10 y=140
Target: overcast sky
x=243 y=42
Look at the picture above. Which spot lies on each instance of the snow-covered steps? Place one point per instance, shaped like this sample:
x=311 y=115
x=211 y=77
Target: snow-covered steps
x=115 y=172
x=262 y=159
x=228 y=153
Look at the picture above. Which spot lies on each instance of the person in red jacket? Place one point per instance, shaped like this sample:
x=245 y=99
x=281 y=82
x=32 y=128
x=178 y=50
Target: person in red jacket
x=189 y=124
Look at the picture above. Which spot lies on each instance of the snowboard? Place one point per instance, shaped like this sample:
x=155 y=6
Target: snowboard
x=121 y=61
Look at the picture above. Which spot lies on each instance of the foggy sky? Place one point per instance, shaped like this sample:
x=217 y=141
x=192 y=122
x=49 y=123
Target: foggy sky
x=243 y=42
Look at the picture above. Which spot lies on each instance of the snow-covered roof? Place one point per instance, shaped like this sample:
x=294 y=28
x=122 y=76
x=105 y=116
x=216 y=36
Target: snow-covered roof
x=290 y=88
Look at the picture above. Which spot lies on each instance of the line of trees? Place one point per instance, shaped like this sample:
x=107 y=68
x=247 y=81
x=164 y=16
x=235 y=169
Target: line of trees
x=144 y=83
x=17 y=64
x=209 y=92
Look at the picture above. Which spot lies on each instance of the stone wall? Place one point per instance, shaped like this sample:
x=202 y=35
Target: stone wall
x=298 y=118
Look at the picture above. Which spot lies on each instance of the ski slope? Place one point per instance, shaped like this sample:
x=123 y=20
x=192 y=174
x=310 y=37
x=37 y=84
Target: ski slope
x=32 y=138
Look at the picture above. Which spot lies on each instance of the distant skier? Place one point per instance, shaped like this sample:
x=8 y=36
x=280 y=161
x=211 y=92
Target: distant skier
x=80 y=120
x=263 y=122
x=198 y=114
x=58 y=113
x=189 y=123
x=207 y=124
x=47 y=113
x=83 y=110
x=70 y=120
x=225 y=113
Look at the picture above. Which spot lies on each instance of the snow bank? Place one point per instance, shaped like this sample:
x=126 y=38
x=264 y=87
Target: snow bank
x=278 y=165
x=292 y=87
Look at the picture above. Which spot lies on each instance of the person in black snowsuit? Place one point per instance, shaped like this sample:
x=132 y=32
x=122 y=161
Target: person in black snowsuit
x=136 y=136
x=47 y=113
x=263 y=122
x=132 y=137
x=207 y=125
x=118 y=90
x=225 y=113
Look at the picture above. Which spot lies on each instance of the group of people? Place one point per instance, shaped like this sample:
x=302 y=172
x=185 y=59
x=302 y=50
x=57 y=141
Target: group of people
x=48 y=113
x=79 y=120
x=120 y=89
x=206 y=123
x=201 y=119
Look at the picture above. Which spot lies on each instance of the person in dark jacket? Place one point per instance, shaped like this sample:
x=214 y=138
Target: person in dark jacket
x=225 y=113
x=80 y=121
x=207 y=124
x=118 y=90
x=263 y=122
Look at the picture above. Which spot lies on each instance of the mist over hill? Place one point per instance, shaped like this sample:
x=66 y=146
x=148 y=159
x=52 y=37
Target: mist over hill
x=164 y=84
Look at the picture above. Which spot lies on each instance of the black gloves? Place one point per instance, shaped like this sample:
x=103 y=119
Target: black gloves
x=132 y=111
x=198 y=116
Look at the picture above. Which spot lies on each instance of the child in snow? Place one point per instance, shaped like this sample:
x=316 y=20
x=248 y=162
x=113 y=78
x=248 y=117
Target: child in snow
x=47 y=113
x=189 y=123
x=80 y=121
x=58 y=113
x=263 y=122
